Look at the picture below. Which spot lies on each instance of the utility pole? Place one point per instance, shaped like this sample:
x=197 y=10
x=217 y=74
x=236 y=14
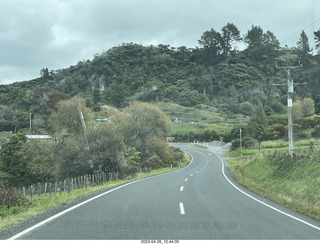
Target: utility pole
x=288 y=52
x=30 y=121
x=82 y=121
x=240 y=135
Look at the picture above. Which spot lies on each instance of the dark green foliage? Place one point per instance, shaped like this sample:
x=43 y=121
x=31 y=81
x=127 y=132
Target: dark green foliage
x=258 y=124
x=277 y=131
x=247 y=142
x=216 y=72
x=11 y=161
x=316 y=131
x=213 y=73
x=205 y=136
x=235 y=133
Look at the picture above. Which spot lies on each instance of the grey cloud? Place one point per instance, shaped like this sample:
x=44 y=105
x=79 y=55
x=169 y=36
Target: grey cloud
x=56 y=34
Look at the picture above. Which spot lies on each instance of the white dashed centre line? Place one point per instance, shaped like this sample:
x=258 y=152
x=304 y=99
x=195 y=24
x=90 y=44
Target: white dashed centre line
x=186 y=179
x=181 y=208
x=181 y=188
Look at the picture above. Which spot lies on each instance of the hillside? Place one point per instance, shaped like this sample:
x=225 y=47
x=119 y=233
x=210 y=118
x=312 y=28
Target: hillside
x=217 y=81
x=213 y=74
x=149 y=93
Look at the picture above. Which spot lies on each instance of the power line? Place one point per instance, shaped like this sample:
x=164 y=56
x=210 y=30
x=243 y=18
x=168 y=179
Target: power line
x=299 y=31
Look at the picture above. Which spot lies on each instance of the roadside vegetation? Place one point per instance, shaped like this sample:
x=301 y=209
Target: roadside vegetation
x=25 y=210
x=133 y=98
x=293 y=182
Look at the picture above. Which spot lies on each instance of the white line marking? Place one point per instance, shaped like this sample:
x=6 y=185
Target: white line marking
x=265 y=204
x=186 y=179
x=191 y=175
x=197 y=172
x=89 y=200
x=181 y=208
x=181 y=188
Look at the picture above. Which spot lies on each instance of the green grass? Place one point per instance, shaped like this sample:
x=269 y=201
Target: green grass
x=198 y=128
x=293 y=182
x=202 y=117
x=41 y=204
x=276 y=145
x=199 y=113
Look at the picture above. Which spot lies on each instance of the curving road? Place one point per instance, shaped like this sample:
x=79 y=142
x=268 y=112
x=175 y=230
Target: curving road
x=200 y=201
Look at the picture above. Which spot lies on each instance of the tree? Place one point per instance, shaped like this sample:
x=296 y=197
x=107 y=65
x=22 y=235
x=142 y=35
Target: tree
x=66 y=121
x=270 y=43
x=260 y=44
x=317 y=39
x=303 y=107
x=258 y=124
x=211 y=42
x=39 y=158
x=116 y=95
x=254 y=40
x=44 y=73
x=307 y=106
x=303 y=44
x=11 y=159
x=230 y=35
x=145 y=121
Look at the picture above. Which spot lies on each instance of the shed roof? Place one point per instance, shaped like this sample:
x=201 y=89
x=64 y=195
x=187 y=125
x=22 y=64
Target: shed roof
x=39 y=137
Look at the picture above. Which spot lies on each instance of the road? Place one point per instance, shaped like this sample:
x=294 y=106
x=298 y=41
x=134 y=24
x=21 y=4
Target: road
x=200 y=201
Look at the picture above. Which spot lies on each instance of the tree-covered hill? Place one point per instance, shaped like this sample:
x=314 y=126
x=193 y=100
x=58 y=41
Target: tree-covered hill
x=214 y=73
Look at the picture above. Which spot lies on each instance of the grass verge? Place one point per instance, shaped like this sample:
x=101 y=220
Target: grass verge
x=42 y=204
x=293 y=182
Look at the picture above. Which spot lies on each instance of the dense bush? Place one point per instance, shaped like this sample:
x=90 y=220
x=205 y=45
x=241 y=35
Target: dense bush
x=205 y=136
x=316 y=131
x=247 y=142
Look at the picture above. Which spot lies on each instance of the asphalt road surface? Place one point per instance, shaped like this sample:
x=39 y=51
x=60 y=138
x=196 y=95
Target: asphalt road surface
x=200 y=201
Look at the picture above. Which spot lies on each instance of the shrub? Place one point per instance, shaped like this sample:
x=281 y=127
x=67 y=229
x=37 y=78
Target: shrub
x=11 y=200
x=248 y=142
x=277 y=131
x=316 y=132
x=246 y=108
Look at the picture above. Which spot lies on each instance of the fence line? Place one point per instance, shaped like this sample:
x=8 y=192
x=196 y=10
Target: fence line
x=69 y=185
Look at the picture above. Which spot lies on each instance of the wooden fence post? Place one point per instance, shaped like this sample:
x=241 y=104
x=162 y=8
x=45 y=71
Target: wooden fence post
x=55 y=188
x=45 y=189
x=71 y=184
x=31 y=192
x=39 y=189
x=64 y=185
x=50 y=189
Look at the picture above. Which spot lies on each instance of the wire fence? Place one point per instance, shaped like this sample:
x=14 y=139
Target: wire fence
x=71 y=184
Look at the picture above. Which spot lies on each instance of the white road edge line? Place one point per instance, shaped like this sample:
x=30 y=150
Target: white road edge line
x=265 y=204
x=181 y=208
x=89 y=200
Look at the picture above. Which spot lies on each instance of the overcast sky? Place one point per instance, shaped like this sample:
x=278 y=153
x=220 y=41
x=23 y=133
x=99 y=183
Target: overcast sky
x=35 y=34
